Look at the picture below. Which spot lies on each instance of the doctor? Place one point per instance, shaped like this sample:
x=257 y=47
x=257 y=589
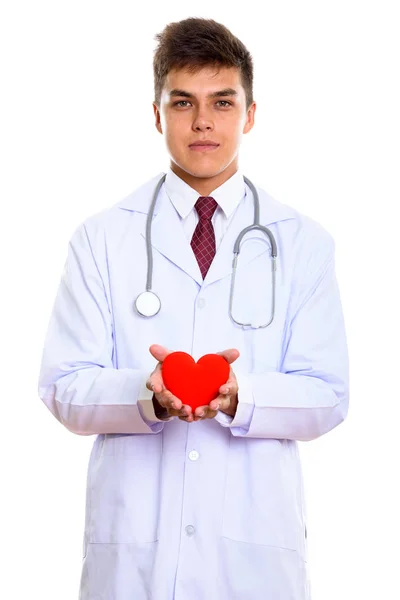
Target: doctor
x=184 y=506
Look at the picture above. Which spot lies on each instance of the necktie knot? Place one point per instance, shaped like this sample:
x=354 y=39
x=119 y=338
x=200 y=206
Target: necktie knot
x=205 y=207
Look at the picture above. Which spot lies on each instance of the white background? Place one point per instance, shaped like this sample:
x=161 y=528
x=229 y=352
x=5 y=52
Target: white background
x=77 y=135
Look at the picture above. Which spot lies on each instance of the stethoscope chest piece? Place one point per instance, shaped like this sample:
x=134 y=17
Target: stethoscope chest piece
x=148 y=304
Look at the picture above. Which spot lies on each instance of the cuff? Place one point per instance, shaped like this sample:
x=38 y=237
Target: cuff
x=240 y=423
x=223 y=419
x=146 y=406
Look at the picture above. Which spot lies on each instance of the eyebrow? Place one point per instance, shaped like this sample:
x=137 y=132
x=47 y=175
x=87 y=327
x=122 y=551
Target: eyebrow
x=184 y=94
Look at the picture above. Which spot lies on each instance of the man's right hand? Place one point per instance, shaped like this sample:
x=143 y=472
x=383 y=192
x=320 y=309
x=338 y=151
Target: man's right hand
x=163 y=396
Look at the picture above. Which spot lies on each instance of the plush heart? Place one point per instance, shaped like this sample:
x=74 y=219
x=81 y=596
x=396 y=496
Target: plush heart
x=195 y=384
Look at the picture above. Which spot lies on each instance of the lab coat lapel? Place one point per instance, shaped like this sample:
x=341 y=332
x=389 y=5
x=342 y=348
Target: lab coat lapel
x=168 y=238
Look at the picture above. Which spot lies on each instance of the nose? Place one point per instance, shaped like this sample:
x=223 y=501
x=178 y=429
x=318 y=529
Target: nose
x=202 y=122
x=203 y=127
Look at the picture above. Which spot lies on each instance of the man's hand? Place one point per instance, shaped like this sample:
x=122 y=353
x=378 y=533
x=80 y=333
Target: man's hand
x=163 y=396
x=226 y=401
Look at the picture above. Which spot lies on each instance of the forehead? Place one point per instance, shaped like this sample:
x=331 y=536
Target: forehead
x=204 y=81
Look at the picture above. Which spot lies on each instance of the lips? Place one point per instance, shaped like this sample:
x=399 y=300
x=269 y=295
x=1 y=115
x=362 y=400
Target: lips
x=206 y=146
x=205 y=143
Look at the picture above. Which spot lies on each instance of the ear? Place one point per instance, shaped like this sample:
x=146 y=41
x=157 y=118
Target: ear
x=157 y=116
x=250 y=118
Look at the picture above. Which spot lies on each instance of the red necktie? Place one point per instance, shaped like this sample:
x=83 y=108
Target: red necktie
x=203 y=240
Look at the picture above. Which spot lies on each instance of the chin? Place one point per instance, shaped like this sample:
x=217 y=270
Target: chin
x=200 y=170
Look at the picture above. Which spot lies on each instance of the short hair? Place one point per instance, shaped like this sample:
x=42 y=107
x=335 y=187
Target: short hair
x=195 y=43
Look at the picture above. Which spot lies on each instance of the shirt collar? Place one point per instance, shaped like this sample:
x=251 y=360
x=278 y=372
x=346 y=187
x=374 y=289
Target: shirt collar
x=183 y=197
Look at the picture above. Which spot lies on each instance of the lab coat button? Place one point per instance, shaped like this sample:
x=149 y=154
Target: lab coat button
x=189 y=530
x=193 y=455
x=201 y=303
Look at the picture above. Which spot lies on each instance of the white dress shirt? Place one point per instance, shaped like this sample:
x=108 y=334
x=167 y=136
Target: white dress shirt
x=183 y=197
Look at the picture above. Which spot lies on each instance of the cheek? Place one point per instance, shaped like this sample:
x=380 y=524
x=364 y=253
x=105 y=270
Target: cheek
x=171 y=137
x=231 y=130
x=174 y=131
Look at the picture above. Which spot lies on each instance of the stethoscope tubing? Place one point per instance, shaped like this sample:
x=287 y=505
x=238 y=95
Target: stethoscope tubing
x=236 y=250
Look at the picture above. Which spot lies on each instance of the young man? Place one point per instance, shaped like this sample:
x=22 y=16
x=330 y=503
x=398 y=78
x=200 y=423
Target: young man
x=184 y=505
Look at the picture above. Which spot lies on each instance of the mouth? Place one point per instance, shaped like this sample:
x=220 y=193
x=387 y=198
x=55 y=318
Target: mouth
x=204 y=147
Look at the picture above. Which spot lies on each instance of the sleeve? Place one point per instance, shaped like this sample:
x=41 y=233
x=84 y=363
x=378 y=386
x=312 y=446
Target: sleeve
x=309 y=395
x=78 y=380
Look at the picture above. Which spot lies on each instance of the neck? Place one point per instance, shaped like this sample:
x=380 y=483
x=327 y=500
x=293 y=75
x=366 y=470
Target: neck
x=205 y=185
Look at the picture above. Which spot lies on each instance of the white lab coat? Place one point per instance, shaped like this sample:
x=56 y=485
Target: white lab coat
x=213 y=509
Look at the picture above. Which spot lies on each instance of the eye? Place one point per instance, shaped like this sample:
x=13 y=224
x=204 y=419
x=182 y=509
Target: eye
x=180 y=102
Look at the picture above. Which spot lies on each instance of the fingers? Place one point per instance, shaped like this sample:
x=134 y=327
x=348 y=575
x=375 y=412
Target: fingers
x=155 y=381
x=214 y=404
x=168 y=400
x=185 y=414
x=189 y=418
x=230 y=355
x=159 y=352
x=204 y=413
x=209 y=411
x=229 y=388
x=174 y=406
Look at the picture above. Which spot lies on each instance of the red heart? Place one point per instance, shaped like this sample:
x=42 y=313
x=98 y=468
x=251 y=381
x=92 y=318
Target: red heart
x=195 y=384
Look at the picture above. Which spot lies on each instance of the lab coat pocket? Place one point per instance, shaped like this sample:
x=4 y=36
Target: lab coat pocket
x=263 y=501
x=124 y=490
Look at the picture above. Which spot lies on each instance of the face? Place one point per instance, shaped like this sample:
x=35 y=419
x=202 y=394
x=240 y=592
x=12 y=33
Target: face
x=208 y=105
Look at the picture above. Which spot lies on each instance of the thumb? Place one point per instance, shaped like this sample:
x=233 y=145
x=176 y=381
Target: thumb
x=159 y=352
x=230 y=355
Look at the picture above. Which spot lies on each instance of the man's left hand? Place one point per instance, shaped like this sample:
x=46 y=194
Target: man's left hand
x=227 y=400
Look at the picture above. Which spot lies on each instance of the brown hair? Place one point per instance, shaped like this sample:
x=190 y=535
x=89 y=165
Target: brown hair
x=195 y=43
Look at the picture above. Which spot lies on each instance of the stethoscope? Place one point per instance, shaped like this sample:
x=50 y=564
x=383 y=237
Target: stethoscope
x=148 y=304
